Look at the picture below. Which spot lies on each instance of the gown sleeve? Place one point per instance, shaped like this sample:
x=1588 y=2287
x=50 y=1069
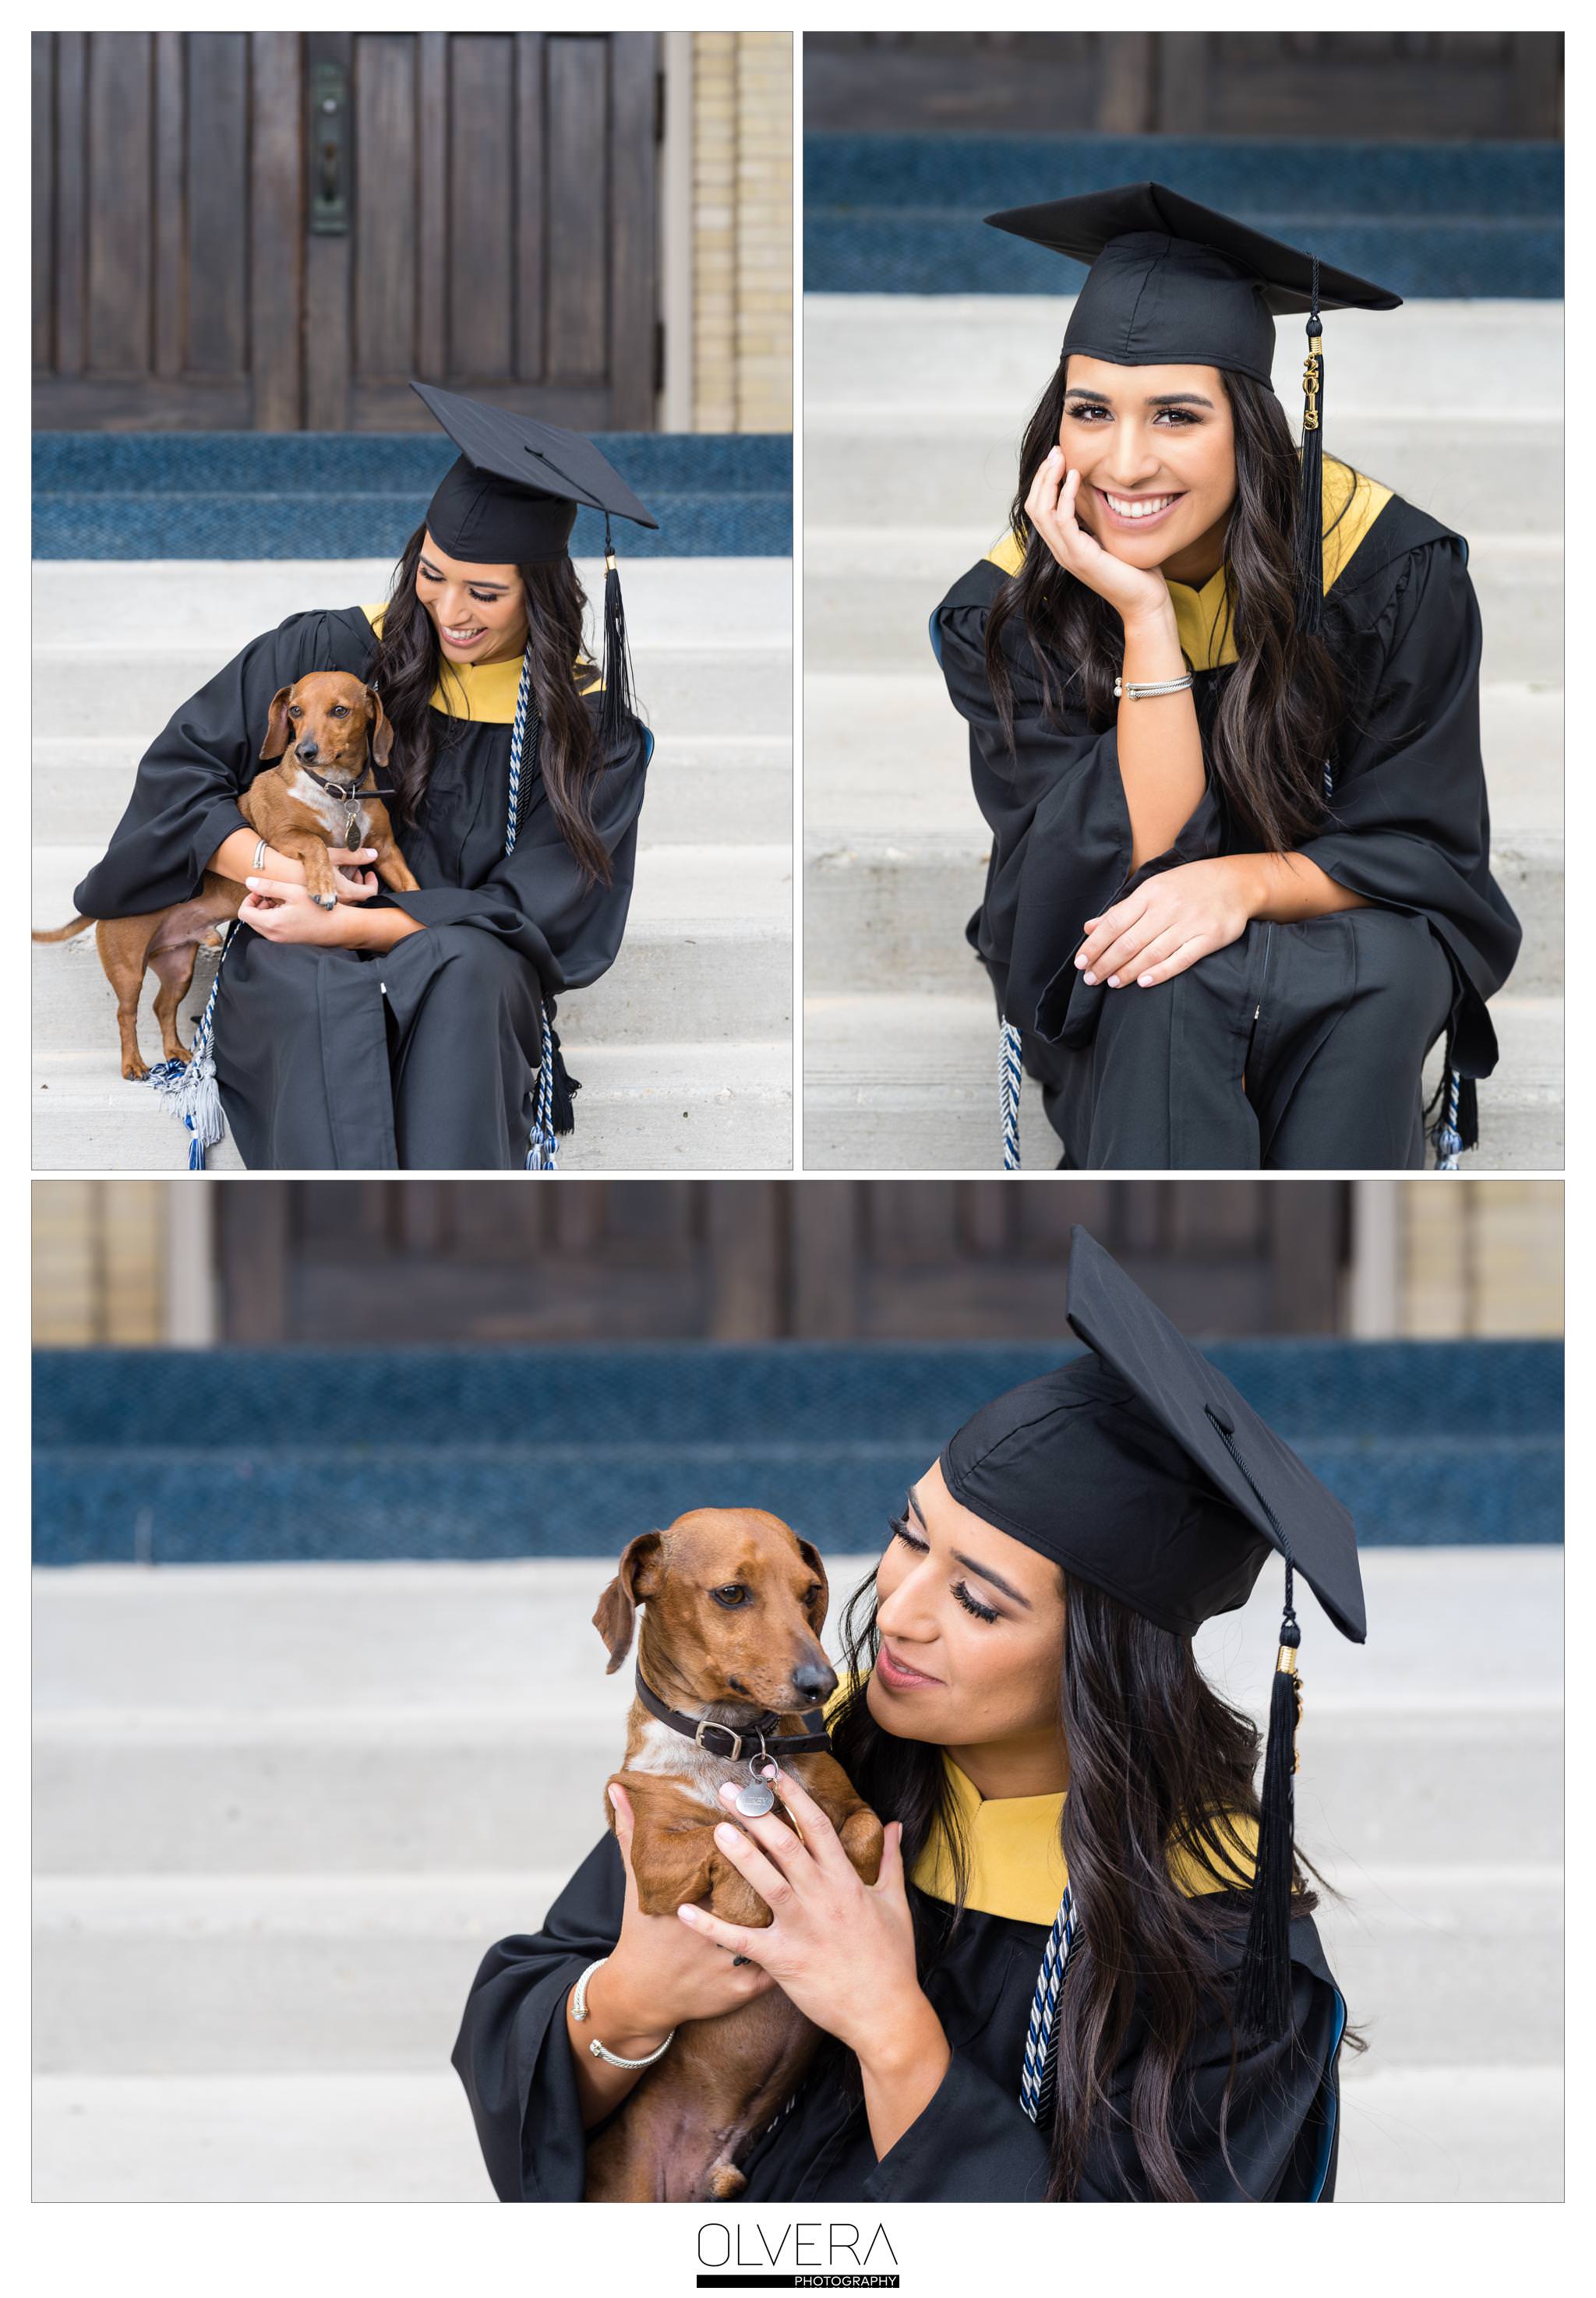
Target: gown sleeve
x=538 y=898
x=1408 y=825
x=1061 y=838
x=185 y=793
x=512 y=2053
x=974 y=2142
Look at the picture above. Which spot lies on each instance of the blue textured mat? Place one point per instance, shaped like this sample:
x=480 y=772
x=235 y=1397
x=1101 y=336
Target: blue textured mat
x=355 y=495
x=902 y=213
x=162 y=1456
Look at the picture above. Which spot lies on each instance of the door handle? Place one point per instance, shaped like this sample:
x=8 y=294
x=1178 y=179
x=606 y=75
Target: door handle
x=326 y=143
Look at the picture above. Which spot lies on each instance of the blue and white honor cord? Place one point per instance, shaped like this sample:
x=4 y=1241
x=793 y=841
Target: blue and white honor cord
x=541 y=1151
x=1009 y=1075
x=1038 y=2076
x=189 y=1089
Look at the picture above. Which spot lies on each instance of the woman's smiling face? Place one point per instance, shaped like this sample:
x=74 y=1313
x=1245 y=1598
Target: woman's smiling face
x=971 y=1627
x=1155 y=447
x=479 y=612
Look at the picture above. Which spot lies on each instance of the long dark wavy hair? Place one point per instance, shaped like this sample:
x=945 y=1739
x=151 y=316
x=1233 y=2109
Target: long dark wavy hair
x=409 y=661
x=1157 y=1761
x=1278 y=706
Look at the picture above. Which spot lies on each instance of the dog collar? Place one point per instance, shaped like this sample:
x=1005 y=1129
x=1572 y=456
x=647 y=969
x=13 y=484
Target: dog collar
x=345 y=791
x=753 y=1736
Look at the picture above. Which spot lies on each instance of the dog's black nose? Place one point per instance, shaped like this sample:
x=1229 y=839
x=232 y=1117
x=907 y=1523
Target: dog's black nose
x=308 y=750
x=815 y=1682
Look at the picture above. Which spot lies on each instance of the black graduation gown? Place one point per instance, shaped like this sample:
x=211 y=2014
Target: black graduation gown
x=973 y=2142
x=1329 y=1020
x=417 y=1056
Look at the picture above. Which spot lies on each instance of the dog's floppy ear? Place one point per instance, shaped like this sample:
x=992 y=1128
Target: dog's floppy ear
x=382 y=734
x=276 y=725
x=817 y=1606
x=633 y=1583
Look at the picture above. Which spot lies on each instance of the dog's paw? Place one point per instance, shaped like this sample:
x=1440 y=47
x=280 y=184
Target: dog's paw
x=327 y=901
x=726 y=2182
x=135 y=1072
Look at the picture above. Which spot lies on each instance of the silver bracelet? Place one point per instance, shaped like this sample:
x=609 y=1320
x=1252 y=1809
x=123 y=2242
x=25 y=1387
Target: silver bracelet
x=1162 y=686
x=596 y=2049
x=259 y=858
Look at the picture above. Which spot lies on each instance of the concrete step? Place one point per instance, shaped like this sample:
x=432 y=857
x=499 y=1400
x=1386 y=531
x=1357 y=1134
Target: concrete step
x=878 y=360
x=136 y=1974
x=210 y=607
x=1464 y=2134
x=125 y=689
x=707 y=957
x=740 y=785
x=892 y=909
x=886 y=755
x=1458 y=469
x=1456 y=1632
x=397 y=2136
x=306 y=1791
x=869 y=589
x=811 y=1398
x=655 y=1107
x=909 y=1082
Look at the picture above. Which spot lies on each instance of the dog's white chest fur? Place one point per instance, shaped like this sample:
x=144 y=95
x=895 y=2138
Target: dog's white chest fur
x=674 y=1756
x=332 y=812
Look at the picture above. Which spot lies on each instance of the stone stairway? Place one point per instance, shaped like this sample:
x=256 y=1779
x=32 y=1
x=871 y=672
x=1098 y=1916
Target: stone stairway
x=914 y=405
x=683 y=1047
x=281 y=1810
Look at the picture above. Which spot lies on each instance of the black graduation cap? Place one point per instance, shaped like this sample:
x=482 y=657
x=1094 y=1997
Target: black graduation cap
x=1142 y=1471
x=512 y=497
x=1173 y=282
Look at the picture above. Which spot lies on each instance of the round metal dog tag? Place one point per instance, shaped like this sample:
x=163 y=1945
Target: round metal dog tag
x=758 y=1796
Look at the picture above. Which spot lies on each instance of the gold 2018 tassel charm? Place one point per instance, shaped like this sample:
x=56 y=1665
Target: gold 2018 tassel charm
x=1286 y=1664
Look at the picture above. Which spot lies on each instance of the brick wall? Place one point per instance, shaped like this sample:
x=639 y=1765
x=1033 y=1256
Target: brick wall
x=99 y=1263
x=742 y=231
x=1485 y=1260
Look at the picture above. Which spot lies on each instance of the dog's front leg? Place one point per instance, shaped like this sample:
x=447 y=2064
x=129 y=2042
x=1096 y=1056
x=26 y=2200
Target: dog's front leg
x=393 y=870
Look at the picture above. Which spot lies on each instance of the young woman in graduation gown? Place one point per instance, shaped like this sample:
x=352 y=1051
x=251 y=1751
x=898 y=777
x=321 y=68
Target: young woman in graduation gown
x=405 y=1031
x=1228 y=916
x=1061 y=1787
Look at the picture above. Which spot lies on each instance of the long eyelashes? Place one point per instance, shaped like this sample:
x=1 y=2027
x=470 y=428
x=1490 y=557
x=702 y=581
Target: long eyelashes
x=1182 y=417
x=900 y=1529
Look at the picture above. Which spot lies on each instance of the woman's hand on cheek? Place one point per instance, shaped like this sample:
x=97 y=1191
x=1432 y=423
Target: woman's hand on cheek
x=1166 y=924
x=1136 y=592
x=841 y=1949
x=280 y=911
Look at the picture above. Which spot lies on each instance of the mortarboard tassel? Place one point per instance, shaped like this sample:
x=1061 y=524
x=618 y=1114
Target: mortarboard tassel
x=615 y=705
x=1455 y=1106
x=1311 y=497
x=1263 y=1990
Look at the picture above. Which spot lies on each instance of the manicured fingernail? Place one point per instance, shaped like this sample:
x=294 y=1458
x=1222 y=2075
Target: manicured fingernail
x=1144 y=981
x=1090 y=977
x=1113 y=980
x=728 y=1788
x=1079 y=961
x=688 y=1915
x=252 y=883
x=726 y=1833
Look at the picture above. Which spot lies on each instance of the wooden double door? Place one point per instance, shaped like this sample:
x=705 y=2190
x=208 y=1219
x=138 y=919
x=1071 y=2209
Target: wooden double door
x=514 y=1260
x=275 y=231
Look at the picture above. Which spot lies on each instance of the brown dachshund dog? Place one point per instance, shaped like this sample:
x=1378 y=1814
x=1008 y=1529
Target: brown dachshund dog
x=312 y=801
x=735 y=1602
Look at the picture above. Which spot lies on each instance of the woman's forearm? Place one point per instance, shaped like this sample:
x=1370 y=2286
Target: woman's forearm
x=1161 y=750
x=378 y=929
x=1286 y=888
x=902 y=2066
x=235 y=858
x=617 y=2023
